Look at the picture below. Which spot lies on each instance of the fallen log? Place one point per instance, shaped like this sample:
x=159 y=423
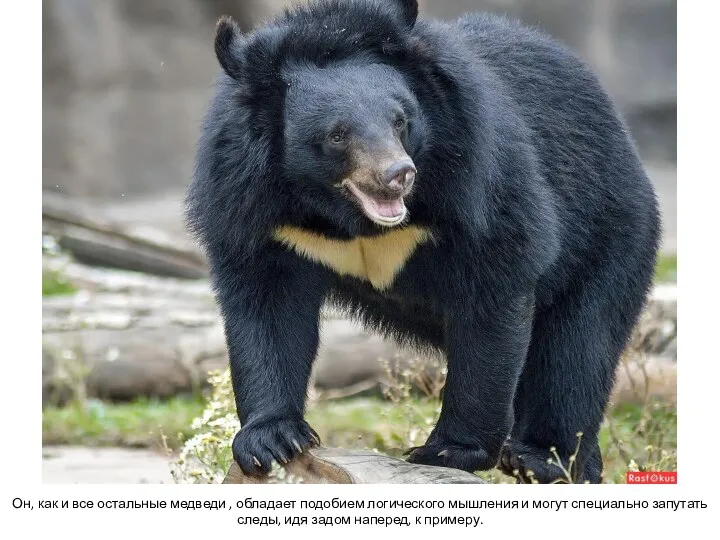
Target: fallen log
x=136 y=335
x=339 y=466
x=108 y=280
x=91 y=238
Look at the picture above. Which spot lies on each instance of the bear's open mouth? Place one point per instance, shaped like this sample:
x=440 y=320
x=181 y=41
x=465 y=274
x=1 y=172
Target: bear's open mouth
x=386 y=212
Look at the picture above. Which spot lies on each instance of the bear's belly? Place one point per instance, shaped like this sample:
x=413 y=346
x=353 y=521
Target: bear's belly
x=375 y=259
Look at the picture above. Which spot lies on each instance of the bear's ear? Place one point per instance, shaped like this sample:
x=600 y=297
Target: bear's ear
x=409 y=11
x=228 y=46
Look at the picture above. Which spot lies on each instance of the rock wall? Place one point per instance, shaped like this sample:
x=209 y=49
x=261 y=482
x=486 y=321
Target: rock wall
x=632 y=44
x=125 y=84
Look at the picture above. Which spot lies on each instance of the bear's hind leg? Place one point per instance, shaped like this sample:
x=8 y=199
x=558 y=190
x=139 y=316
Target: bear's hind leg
x=566 y=383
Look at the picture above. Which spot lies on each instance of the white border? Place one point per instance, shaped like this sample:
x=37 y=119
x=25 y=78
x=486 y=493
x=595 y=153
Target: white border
x=698 y=199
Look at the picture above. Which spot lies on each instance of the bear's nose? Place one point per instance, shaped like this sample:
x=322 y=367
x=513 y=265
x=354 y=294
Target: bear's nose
x=400 y=176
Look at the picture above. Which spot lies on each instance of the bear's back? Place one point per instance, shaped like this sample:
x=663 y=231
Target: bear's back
x=581 y=139
x=556 y=93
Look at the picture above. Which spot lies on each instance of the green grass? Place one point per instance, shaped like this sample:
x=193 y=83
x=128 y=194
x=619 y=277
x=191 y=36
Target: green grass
x=373 y=423
x=646 y=435
x=141 y=423
x=54 y=284
x=666 y=269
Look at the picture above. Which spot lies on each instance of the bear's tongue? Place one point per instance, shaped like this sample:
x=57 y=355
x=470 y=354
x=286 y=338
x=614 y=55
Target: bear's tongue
x=388 y=209
x=382 y=210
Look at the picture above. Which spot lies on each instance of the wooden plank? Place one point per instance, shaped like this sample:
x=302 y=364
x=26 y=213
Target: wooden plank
x=338 y=466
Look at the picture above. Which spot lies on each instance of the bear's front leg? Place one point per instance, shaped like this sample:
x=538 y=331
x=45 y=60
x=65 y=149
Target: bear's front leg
x=270 y=301
x=486 y=349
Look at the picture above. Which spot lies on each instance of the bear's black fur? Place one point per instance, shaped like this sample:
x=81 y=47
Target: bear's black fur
x=468 y=187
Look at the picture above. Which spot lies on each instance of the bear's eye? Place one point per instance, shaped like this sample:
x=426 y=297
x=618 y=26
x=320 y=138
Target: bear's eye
x=337 y=138
x=400 y=123
x=336 y=143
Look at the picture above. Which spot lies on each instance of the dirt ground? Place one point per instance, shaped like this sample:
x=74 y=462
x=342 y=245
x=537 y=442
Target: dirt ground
x=80 y=465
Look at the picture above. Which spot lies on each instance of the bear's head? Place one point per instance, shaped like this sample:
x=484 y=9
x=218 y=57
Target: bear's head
x=324 y=87
x=353 y=129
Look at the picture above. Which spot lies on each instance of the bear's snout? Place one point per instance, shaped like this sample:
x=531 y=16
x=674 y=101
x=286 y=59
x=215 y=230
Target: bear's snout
x=399 y=177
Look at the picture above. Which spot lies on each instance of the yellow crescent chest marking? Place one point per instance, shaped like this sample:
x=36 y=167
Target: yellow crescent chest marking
x=377 y=259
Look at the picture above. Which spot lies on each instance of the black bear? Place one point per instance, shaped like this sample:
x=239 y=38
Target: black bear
x=467 y=187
